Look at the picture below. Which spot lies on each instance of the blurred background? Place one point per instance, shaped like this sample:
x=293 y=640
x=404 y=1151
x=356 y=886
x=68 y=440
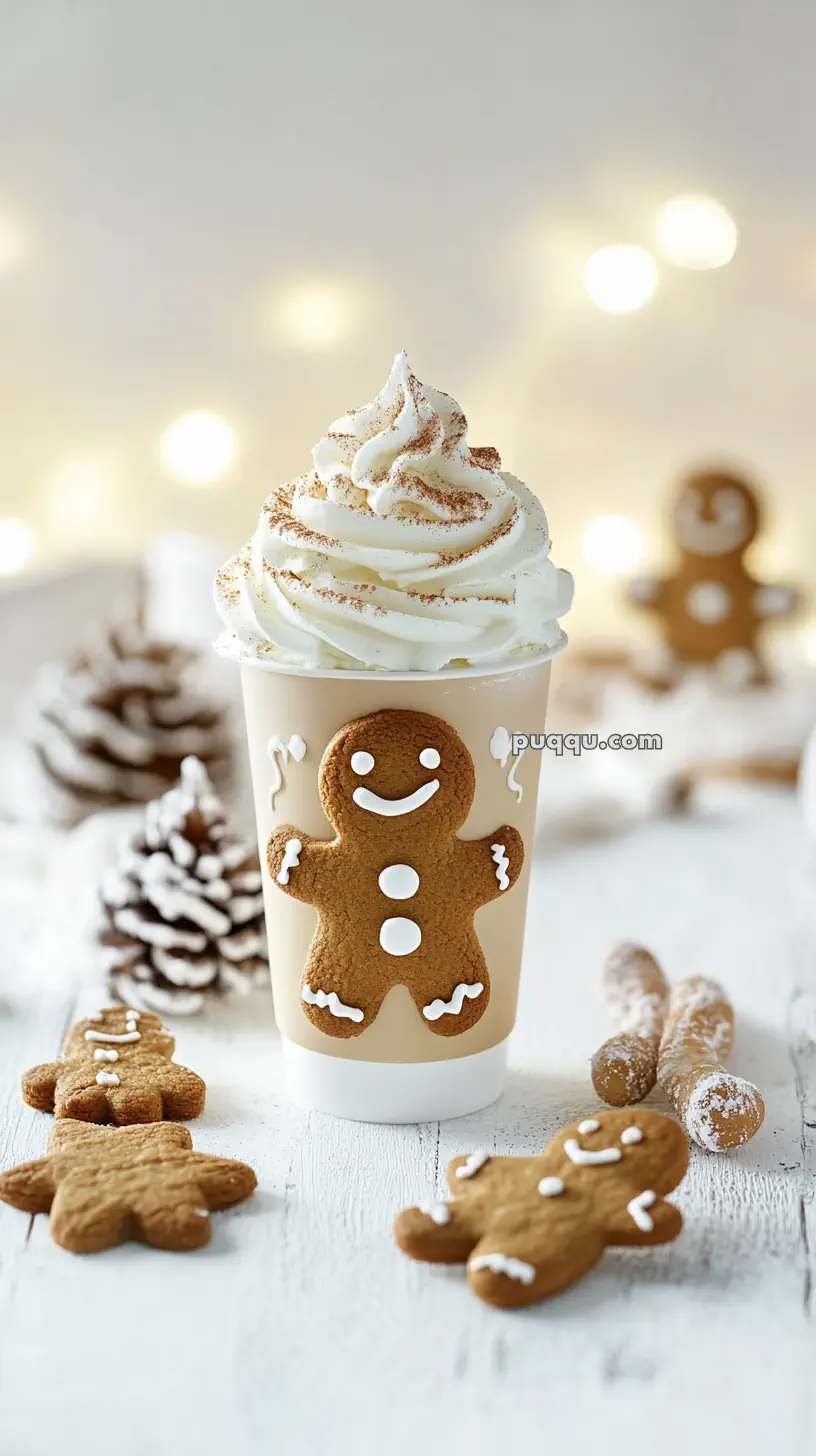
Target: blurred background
x=219 y=221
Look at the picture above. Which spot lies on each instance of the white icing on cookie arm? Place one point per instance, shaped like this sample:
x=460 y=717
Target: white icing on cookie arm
x=490 y=867
x=297 y=863
x=775 y=600
x=645 y=591
x=645 y=1218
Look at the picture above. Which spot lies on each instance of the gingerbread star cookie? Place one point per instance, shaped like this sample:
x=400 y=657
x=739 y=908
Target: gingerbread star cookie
x=530 y=1227
x=116 y=1068
x=712 y=609
x=396 y=890
x=106 y=1185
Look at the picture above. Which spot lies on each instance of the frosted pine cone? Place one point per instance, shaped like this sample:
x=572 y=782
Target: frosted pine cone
x=112 y=725
x=184 y=909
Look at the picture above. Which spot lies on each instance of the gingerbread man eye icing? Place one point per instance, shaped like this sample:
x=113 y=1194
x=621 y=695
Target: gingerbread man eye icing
x=429 y=758
x=362 y=762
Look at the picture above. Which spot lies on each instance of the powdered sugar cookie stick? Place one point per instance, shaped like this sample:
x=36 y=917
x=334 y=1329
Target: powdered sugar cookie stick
x=718 y=1110
x=625 y=1067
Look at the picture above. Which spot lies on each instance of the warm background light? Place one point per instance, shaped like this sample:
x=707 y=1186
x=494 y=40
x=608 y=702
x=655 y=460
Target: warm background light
x=315 y=316
x=696 y=231
x=620 y=278
x=74 y=497
x=612 y=544
x=198 y=448
x=16 y=544
x=12 y=241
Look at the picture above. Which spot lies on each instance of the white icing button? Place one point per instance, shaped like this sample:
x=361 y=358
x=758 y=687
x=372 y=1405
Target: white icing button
x=631 y=1135
x=708 y=601
x=551 y=1187
x=429 y=758
x=362 y=762
x=590 y=1124
x=398 y=881
x=107 y=1079
x=399 y=936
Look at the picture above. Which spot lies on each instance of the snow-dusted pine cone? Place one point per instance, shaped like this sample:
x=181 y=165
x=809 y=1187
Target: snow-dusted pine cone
x=111 y=725
x=184 y=908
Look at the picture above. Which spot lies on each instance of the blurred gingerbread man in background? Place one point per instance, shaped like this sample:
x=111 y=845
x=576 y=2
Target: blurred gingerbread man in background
x=712 y=609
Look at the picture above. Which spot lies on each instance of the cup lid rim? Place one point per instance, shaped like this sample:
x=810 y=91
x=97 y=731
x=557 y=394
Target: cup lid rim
x=445 y=674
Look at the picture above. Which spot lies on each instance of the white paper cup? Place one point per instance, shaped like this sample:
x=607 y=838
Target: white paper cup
x=396 y=1070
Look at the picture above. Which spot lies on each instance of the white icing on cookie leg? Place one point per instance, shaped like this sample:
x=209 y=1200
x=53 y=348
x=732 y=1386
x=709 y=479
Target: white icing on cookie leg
x=637 y=1208
x=475 y=1161
x=332 y=1003
x=502 y=864
x=439 y=1008
x=504 y=1264
x=291 y=858
x=438 y=1212
x=579 y=1155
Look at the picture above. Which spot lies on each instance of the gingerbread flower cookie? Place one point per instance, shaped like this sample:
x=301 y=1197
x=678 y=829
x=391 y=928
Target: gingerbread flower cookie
x=712 y=609
x=116 y=1068
x=396 y=890
x=530 y=1227
x=105 y=1185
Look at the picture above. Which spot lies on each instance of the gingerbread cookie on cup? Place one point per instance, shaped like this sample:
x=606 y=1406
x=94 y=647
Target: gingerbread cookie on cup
x=396 y=890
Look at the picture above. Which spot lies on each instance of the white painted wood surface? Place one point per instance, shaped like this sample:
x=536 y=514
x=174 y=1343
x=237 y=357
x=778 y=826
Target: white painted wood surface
x=302 y=1329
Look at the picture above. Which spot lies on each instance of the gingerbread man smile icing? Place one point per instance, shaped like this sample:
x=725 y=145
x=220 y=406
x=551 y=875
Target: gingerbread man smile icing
x=712 y=609
x=396 y=890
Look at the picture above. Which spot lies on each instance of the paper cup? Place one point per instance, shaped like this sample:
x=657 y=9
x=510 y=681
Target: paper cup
x=397 y=1069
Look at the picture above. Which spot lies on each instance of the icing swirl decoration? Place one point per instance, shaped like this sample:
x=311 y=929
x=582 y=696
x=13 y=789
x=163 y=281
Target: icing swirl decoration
x=403 y=549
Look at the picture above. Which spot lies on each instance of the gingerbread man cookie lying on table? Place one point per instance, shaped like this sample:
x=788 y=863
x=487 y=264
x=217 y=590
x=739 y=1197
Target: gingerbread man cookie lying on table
x=105 y=1185
x=396 y=890
x=116 y=1067
x=530 y=1227
x=712 y=609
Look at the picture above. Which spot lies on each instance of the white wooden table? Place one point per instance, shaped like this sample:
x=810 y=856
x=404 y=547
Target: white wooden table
x=302 y=1329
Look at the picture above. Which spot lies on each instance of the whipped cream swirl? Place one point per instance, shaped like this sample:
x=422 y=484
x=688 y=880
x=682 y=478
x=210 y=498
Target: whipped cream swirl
x=404 y=549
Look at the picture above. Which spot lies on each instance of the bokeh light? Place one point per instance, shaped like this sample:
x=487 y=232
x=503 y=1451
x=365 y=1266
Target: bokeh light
x=612 y=544
x=198 y=448
x=316 y=316
x=696 y=231
x=16 y=544
x=620 y=278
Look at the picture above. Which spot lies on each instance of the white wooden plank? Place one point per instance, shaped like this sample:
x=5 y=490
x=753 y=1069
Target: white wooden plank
x=302 y=1329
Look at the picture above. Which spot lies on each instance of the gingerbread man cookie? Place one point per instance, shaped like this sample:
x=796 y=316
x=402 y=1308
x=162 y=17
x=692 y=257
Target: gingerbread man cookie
x=712 y=609
x=530 y=1227
x=396 y=890
x=116 y=1068
x=105 y=1185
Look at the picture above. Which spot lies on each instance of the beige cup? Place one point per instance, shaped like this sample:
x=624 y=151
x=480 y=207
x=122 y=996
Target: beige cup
x=397 y=1070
